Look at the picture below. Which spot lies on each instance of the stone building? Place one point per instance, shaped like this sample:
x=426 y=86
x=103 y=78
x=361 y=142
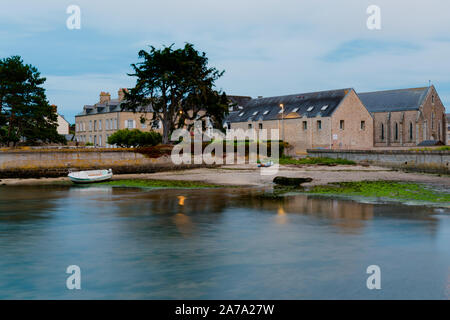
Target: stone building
x=406 y=117
x=448 y=128
x=335 y=119
x=97 y=122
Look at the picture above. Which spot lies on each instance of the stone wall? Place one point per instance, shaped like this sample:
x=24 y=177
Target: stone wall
x=426 y=161
x=55 y=163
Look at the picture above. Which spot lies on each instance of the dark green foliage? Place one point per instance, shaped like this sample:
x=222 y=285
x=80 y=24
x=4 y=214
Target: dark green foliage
x=178 y=84
x=24 y=110
x=134 y=138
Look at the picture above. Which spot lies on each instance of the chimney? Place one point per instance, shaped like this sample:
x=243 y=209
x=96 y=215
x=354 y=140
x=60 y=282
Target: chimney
x=121 y=93
x=105 y=97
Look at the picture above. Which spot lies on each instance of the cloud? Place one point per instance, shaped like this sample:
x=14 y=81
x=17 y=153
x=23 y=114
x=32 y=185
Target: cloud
x=266 y=47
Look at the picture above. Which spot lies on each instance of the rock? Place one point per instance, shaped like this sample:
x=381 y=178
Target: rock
x=285 y=181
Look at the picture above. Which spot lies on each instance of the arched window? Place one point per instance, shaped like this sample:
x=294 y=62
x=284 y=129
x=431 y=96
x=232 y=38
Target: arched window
x=410 y=131
x=382 y=131
x=396 y=131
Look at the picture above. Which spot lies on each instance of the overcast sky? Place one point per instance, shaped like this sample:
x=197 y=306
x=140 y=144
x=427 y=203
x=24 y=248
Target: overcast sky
x=266 y=48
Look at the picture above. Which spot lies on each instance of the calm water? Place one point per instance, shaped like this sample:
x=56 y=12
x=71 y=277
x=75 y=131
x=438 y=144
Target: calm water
x=216 y=244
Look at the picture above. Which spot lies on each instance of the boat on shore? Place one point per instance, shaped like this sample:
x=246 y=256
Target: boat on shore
x=90 y=176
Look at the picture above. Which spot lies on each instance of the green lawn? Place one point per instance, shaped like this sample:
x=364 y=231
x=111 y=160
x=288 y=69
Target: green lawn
x=384 y=189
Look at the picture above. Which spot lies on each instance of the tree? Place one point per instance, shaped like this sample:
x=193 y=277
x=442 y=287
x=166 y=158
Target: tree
x=134 y=138
x=24 y=109
x=179 y=86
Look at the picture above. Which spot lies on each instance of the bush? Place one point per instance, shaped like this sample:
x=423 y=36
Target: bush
x=134 y=138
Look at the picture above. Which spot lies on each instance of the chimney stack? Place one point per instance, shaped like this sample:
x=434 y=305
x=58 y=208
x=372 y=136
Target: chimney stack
x=105 y=97
x=121 y=93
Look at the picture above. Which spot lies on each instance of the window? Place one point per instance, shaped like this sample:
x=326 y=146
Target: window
x=305 y=125
x=319 y=124
x=324 y=108
x=363 y=125
x=255 y=113
x=295 y=110
x=432 y=120
x=143 y=125
x=341 y=124
x=310 y=108
x=100 y=140
x=382 y=131
x=90 y=126
x=396 y=131
x=266 y=112
x=241 y=114
x=281 y=111
x=260 y=126
x=432 y=98
x=95 y=125
x=130 y=124
x=100 y=125
x=250 y=126
x=410 y=131
x=107 y=124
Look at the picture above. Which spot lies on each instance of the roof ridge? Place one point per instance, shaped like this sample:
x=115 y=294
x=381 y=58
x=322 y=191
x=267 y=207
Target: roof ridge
x=297 y=94
x=392 y=90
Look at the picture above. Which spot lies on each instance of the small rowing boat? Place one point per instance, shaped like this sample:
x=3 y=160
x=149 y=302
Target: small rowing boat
x=90 y=176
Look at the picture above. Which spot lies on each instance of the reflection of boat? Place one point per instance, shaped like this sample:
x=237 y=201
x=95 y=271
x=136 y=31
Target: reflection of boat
x=267 y=164
x=90 y=176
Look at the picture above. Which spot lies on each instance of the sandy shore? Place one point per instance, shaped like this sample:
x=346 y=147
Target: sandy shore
x=249 y=175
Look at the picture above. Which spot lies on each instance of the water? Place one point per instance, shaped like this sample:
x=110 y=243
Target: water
x=216 y=244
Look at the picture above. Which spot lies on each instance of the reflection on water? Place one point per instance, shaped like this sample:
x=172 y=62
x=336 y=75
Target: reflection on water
x=231 y=244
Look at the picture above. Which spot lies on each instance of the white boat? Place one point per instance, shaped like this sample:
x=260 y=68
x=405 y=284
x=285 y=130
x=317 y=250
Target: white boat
x=90 y=176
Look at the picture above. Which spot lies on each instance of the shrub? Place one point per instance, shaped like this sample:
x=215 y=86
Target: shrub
x=134 y=138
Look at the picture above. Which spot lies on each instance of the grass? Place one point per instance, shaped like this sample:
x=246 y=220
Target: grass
x=384 y=189
x=170 y=184
x=443 y=148
x=316 y=161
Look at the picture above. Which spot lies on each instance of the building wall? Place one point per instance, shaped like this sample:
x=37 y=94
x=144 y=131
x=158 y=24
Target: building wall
x=63 y=125
x=357 y=131
x=427 y=123
x=88 y=128
x=307 y=133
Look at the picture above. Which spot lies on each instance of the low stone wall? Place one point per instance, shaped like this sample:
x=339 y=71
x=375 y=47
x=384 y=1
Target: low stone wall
x=425 y=161
x=56 y=163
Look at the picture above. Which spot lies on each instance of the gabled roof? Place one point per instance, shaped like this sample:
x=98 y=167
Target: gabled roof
x=394 y=100
x=112 y=106
x=309 y=105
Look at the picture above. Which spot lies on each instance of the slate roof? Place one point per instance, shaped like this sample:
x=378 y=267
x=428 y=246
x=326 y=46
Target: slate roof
x=394 y=100
x=112 y=106
x=296 y=105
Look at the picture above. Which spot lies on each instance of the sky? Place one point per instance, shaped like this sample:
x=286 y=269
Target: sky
x=267 y=48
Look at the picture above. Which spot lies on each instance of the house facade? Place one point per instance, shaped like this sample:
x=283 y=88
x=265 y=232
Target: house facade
x=406 y=117
x=99 y=121
x=335 y=119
